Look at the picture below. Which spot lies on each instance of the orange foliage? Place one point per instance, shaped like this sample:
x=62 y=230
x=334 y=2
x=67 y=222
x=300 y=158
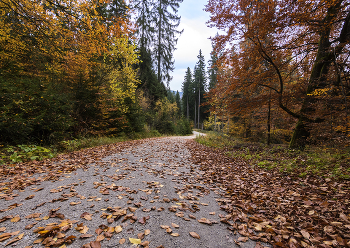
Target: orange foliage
x=283 y=51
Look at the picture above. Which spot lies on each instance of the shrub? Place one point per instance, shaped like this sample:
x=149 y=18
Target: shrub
x=23 y=153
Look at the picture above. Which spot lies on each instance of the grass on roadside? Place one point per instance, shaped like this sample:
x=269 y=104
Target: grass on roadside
x=315 y=161
x=24 y=153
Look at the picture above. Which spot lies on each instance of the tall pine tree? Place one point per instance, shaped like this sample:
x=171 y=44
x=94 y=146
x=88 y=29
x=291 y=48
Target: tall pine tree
x=212 y=70
x=166 y=37
x=199 y=87
x=145 y=32
x=186 y=93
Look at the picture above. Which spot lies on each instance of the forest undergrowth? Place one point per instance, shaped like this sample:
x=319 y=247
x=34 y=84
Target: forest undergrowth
x=279 y=196
x=323 y=162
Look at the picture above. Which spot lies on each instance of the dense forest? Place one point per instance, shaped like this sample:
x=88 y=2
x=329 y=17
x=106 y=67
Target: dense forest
x=71 y=69
x=278 y=71
x=282 y=70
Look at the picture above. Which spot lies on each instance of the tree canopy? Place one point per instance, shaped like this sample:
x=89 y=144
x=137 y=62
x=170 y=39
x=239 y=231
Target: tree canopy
x=293 y=51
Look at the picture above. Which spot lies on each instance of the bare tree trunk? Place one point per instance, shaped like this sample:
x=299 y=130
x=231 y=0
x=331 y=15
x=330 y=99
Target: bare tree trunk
x=195 y=113
x=159 y=76
x=199 y=105
x=269 y=122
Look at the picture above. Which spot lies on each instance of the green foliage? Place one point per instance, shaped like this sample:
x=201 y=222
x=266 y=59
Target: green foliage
x=72 y=75
x=165 y=30
x=183 y=127
x=313 y=162
x=187 y=93
x=165 y=116
x=24 y=153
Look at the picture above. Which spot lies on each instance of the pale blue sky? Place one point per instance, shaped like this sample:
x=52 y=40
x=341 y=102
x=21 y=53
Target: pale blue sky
x=195 y=36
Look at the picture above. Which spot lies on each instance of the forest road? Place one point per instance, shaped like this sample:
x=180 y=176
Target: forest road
x=150 y=190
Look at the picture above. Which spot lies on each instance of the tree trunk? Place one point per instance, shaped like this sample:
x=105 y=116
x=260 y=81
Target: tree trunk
x=325 y=55
x=195 y=113
x=199 y=105
x=159 y=41
x=269 y=122
x=228 y=125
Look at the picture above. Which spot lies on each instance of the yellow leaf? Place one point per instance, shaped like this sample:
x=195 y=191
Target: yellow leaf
x=118 y=229
x=16 y=218
x=135 y=241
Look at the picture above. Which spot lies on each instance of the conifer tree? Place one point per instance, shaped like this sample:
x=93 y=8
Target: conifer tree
x=178 y=102
x=212 y=70
x=166 y=32
x=145 y=20
x=199 y=86
x=186 y=93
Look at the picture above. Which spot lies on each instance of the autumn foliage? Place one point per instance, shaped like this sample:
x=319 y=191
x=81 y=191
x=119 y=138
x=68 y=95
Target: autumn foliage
x=289 y=55
x=66 y=68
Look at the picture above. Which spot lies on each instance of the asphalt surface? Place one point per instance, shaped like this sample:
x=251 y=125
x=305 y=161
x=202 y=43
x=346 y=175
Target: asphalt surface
x=155 y=187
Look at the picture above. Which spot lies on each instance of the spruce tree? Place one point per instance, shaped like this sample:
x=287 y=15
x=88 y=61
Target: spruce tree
x=199 y=87
x=186 y=93
x=145 y=33
x=178 y=102
x=212 y=70
x=166 y=32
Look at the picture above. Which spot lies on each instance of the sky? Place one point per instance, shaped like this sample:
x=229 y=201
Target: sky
x=194 y=37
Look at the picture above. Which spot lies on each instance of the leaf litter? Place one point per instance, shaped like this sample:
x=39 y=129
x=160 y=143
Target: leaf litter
x=267 y=206
x=261 y=206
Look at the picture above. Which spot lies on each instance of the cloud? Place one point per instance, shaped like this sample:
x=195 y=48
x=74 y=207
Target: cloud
x=195 y=37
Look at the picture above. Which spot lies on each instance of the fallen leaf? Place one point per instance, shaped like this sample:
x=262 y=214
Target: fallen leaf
x=16 y=218
x=145 y=243
x=305 y=234
x=122 y=241
x=84 y=230
x=258 y=227
x=60 y=235
x=243 y=239
x=135 y=241
x=100 y=237
x=86 y=216
x=195 y=235
x=132 y=209
x=175 y=234
x=175 y=225
x=205 y=221
x=118 y=229
x=147 y=231
x=141 y=235
x=19 y=237
x=95 y=244
x=85 y=236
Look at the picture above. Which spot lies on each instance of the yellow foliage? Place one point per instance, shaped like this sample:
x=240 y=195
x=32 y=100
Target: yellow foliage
x=164 y=107
x=122 y=79
x=320 y=92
